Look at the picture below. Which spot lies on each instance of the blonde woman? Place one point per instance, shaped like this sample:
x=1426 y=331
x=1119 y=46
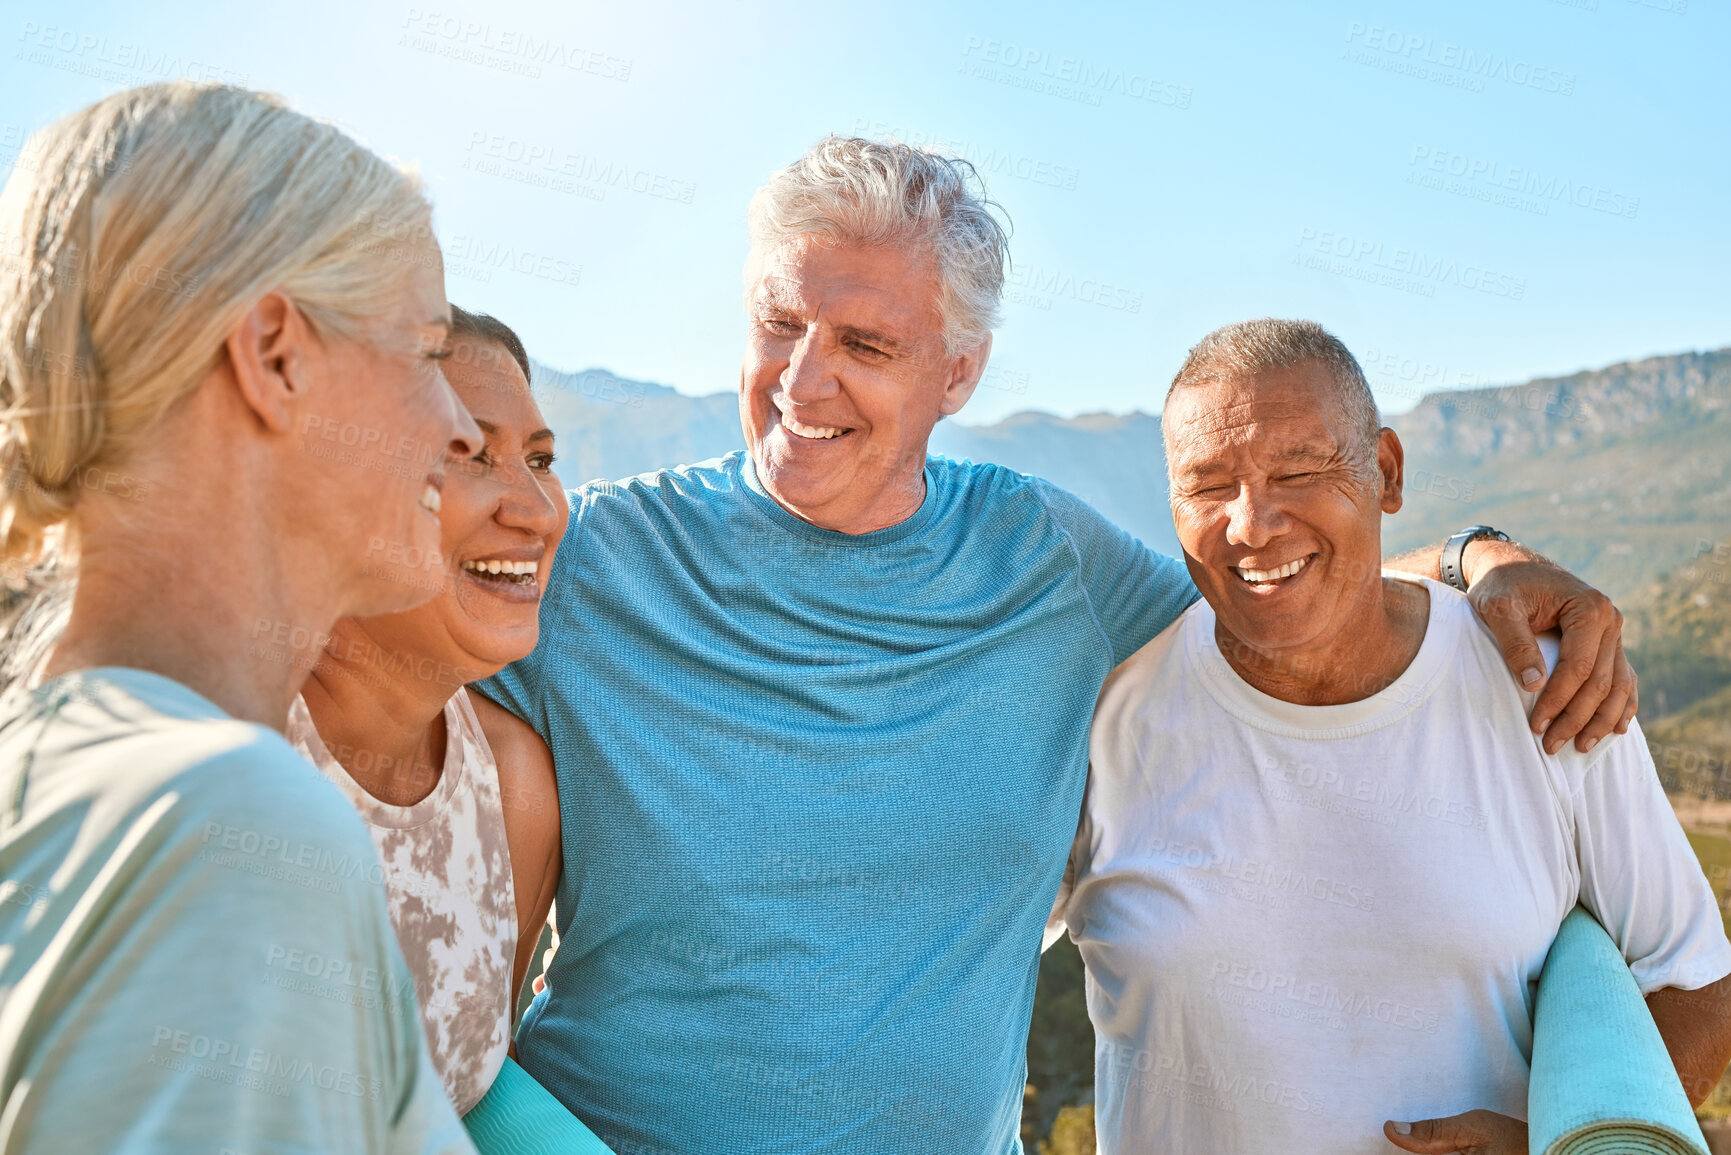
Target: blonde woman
x=220 y=325
x=466 y=819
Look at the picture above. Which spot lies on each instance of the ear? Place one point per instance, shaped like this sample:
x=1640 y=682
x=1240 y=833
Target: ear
x=270 y=350
x=1391 y=463
x=965 y=374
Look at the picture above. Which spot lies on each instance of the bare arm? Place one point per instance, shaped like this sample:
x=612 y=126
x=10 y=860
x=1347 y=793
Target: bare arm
x=1519 y=593
x=1696 y=1026
x=530 y=794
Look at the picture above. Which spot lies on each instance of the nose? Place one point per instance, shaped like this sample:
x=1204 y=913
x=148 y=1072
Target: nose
x=806 y=378
x=526 y=505
x=465 y=438
x=1254 y=518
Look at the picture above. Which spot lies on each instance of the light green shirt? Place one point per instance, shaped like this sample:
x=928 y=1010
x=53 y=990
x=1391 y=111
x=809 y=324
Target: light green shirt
x=195 y=953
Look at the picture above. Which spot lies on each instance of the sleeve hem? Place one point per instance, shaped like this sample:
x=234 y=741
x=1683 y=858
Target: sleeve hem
x=1690 y=975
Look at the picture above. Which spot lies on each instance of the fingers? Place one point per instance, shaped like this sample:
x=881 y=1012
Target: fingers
x=1634 y=702
x=1474 y=1133
x=1431 y=1136
x=1592 y=637
x=1596 y=690
x=1507 y=620
x=1611 y=714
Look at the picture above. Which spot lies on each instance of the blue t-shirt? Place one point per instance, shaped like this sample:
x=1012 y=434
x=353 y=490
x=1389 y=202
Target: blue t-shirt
x=817 y=791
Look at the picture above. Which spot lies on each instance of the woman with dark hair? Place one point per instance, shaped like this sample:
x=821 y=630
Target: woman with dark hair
x=465 y=818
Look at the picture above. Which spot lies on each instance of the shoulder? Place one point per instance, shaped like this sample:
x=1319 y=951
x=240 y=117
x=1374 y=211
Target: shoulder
x=702 y=483
x=988 y=479
x=1481 y=663
x=988 y=487
x=527 y=784
x=513 y=743
x=614 y=523
x=183 y=815
x=140 y=741
x=1139 y=680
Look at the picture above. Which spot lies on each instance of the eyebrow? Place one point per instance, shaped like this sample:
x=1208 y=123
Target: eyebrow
x=871 y=337
x=1308 y=453
x=490 y=429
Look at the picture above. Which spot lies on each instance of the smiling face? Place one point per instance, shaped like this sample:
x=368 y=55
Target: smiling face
x=504 y=513
x=377 y=439
x=845 y=375
x=1278 y=504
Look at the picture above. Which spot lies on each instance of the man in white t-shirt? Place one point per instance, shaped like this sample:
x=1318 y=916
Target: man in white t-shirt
x=1322 y=855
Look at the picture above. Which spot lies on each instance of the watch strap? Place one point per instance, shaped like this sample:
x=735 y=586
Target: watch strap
x=1455 y=548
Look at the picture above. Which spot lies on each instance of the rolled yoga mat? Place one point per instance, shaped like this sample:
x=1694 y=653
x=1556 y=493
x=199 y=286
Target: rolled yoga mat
x=518 y=1116
x=1602 y=1080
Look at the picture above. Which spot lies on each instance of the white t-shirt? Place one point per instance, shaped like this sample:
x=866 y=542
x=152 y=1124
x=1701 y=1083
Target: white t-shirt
x=1299 y=921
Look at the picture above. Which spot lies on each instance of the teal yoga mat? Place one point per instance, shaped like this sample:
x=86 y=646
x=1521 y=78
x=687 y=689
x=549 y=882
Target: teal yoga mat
x=518 y=1116
x=1602 y=1081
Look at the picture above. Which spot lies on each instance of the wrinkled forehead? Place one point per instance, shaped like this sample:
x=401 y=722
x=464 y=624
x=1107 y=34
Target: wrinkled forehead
x=807 y=275
x=1290 y=414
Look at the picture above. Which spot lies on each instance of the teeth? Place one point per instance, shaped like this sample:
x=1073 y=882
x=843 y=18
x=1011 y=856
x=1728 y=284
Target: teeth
x=430 y=498
x=1268 y=575
x=815 y=432
x=509 y=568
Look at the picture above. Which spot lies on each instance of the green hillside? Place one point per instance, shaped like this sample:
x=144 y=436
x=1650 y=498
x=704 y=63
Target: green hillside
x=1692 y=749
x=1620 y=474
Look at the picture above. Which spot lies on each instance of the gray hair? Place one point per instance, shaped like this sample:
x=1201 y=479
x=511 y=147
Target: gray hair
x=145 y=228
x=1250 y=347
x=849 y=190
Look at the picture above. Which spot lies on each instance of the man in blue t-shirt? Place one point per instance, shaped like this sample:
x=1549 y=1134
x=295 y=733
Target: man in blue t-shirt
x=820 y=710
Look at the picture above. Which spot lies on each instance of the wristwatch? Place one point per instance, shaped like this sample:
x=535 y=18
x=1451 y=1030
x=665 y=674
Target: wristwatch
x=1456 y=546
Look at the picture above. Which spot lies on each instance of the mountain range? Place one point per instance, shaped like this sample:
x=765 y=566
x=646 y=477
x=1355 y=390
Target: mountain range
x=1622 y=474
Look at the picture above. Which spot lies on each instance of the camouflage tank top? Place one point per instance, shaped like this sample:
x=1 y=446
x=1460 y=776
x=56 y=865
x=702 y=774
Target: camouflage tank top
x=448 y=882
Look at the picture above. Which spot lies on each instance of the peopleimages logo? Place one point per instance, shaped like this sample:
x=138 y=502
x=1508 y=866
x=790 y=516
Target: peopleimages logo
x=549 y=165
x=506 y=49
x=472 y=256
x=1408 y=266
x=1037 y=286
x=1066 y=77
x=1525 y=181
x=1454 y=65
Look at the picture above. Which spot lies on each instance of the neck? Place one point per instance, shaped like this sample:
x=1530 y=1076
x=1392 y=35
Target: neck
x=228 y=621
x=898 y=499
x=381 y=713
x=1362 y=657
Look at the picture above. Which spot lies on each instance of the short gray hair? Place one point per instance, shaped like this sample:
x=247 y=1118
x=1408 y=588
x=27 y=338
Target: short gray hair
x=849 y=190
x=1250 y=347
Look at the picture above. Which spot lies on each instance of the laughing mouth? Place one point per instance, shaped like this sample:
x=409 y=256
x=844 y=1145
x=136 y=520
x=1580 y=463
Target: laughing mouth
x=1259 y=577
x=495 y=569
x=810 y=432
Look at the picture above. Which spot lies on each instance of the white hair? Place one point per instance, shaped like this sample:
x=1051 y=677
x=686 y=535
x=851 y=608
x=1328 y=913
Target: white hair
x=848 y=190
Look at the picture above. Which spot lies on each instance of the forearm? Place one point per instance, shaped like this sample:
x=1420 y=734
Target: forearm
x=1696 y=1027
x=1479 y=557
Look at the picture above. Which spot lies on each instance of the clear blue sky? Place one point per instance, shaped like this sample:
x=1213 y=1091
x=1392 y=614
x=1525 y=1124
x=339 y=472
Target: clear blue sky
x=1467 y=192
